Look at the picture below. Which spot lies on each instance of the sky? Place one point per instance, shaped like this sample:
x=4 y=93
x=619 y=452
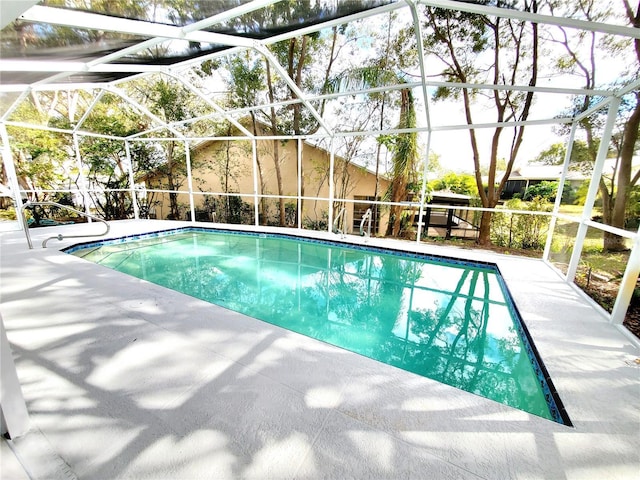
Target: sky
x=453 y=147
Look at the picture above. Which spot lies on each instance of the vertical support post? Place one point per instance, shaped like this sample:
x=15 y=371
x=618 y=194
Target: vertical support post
x=423 y=189
x=82 y=180
x=418 y=29
x=628 y=284
x=9 y=167
x=425 y=95
x=300 y=147
x=256 y=199
x=132 y=185
x=187 y=155
x=332 y=186
x=449 y=223
x=556 y=205
x=593 y=188
x=12 y=405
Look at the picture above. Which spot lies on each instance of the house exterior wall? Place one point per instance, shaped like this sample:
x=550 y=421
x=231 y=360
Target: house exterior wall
x=227 y=167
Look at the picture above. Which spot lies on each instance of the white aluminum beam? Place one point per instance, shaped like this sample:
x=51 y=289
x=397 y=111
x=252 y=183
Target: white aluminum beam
x=218 y=109
x=299 y=159
x=593 y=189
x=423 y=190
x=556 y=205
x=144 y=110
x=89 y=110
x=417 y=25
x=445 y=128
x=364 y=91
x=628 y=88
x=152 y=42
x=332 y=23
x=16 y=103
x=423 y=75
x=82 y=179
x=38 y=127
x=534 y=17
x=10 y=169
x=512 y=123
x=12 y=405
x=132 y=181
x=221 y=53
x=332 y=186
x=600 y=105
x=51 y=87
x=11 y=9
x=94 y=21
x=229 y=14
x=290 y=83
x=628 y=283
x=192 y=208
x=69 y=68
x=84 y=133
x=99 y=67
x=254 y=159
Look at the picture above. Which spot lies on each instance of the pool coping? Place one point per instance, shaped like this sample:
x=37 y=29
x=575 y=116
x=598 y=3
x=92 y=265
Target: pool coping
x=554 y=402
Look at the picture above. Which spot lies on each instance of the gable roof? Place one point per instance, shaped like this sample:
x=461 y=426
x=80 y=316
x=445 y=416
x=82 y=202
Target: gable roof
x=97 y=42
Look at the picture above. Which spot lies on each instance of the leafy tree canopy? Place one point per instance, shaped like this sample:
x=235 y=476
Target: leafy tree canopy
x=462 y=183
x=556 y=153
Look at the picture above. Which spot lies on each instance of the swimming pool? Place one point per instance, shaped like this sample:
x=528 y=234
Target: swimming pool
x=445 y=319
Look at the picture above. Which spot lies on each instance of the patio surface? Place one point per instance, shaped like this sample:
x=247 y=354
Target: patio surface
x=125 y=379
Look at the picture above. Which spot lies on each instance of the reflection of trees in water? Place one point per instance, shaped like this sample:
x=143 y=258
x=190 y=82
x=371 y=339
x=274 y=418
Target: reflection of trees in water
x=365 y=303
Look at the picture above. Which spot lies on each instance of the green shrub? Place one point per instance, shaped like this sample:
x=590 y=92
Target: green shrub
x=517 y=230
x=8 y=214
x=321 y=224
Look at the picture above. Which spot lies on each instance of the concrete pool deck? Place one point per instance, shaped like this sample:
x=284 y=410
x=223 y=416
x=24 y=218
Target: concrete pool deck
x=126 y=379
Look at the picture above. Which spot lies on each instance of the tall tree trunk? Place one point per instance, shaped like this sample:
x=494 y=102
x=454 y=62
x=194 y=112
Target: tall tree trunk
x=225 y=187
x=615 y=243
x=382 y=107
x=297 y=113
x=262 y=201
x=174 y=211
x=276 y=143
x=405 y=151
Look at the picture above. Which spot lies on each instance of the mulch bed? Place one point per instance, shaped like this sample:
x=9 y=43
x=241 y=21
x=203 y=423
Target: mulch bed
x=605 y=293
x=632 y=321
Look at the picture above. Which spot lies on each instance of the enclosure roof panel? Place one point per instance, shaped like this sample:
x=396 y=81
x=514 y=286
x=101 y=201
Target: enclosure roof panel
x=146 y=35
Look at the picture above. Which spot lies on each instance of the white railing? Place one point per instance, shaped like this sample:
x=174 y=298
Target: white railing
x=336 y=222
x=365 y=217
x=59 y=236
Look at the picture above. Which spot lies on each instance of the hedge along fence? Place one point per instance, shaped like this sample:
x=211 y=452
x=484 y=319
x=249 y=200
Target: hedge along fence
x=521 y=230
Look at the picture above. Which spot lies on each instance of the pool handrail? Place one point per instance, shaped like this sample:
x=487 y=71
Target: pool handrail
x=365 y=217
x=337 y=221
x=25 y=226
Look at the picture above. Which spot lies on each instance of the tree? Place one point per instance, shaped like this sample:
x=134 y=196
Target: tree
x=44 y=160
x=304 y=65
x=462 y=183
x=459 y=41
x=581 y=155
x=108 y=170
x=544 y=190
x=392 y=56
x=615 y=192
x=170 y=102
x=404 y=147
x=245 y=81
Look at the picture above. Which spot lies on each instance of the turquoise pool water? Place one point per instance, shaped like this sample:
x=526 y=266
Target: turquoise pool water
x=447 y=320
